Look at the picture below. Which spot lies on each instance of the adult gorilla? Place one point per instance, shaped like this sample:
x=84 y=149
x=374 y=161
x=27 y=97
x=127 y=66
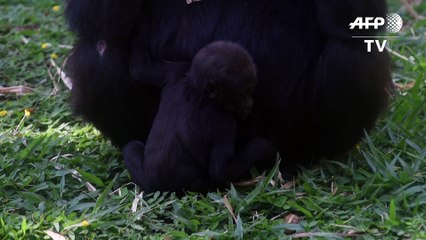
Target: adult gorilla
x=318 y=88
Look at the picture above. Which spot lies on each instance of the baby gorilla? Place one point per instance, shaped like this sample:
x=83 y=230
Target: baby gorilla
x=191 y=145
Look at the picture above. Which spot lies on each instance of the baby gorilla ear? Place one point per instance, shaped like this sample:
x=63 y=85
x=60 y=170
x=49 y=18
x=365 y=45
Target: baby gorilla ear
x=101 y=47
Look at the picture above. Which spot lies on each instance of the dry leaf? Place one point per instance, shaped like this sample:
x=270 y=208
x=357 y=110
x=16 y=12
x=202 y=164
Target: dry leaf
x=404 y=87
x=17 y=90
x=63 y=76
x=229 y=207
x=135 y=202
x=334 y=188
x=78 y=176
x=248 y=183
x=90 y=187
x=312 y=235
x=292 y=219
x=55 y=236
x=288 y=185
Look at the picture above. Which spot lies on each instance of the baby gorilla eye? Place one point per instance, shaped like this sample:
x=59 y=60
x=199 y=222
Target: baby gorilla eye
x=249 y=90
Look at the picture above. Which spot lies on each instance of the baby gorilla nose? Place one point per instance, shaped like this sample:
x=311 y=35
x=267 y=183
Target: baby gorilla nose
x=248 y=106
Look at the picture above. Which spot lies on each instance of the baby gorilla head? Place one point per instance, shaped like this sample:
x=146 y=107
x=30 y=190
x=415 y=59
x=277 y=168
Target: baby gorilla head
x=224 y=73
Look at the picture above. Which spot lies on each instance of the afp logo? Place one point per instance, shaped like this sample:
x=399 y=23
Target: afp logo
x=393 y=25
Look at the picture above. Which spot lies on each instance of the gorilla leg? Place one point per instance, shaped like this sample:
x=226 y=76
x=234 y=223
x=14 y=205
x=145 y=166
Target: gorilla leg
x=352 y=88
x=133 y=154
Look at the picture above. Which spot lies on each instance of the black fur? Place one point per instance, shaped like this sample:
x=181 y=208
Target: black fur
x=191 y=145
x=318 y=89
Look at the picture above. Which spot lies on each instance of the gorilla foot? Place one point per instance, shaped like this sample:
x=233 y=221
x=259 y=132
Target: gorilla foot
x=133 y=154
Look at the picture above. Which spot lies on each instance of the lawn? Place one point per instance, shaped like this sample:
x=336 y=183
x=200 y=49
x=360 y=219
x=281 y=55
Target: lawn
x=60 y=179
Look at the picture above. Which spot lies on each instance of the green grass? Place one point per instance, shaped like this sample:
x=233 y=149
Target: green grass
x=47 y=160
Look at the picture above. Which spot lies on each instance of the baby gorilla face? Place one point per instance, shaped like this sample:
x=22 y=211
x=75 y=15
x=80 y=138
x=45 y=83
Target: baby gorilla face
x=229 y=75
x=236 y=97
x=245 y=100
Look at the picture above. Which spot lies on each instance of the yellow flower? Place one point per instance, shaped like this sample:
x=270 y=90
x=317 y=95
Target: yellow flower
x=45 y=45
x=27 y=113
x=56 y=8
x=3 y=113
x=358 y=147
x=53 y=56
x=85 y=223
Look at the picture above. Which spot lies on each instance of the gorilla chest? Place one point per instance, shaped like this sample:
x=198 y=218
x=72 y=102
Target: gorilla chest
x=279 y=32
